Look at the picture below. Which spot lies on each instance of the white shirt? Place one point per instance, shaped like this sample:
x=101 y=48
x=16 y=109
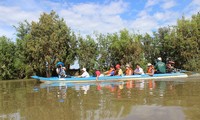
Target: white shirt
x=139 y=70
x=60 y=70
x=85 y=74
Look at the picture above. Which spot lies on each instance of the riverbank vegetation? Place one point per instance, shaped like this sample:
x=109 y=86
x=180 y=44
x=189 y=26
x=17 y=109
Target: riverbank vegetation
x=41 y=44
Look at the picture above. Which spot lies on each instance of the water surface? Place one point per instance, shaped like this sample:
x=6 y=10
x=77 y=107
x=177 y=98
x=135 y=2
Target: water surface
x=169 y=99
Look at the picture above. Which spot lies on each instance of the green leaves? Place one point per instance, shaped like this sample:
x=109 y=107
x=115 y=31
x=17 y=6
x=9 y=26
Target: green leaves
x=87 y=52
x=181 y=43
x=50 y=42
x=119 y=48
x=7 y=50
x=188 y=35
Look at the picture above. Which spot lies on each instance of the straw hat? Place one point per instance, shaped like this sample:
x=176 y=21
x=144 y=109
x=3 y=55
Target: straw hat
x=149 y=64
x=127 y=65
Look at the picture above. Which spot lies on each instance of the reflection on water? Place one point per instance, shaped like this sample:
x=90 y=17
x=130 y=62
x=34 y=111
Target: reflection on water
x=176 y=99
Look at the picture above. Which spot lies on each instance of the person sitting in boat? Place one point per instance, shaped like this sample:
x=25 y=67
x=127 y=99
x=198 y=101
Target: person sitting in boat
x=138 y=70
x=85 y=73
x=160 y=66
x=150 y=69
x=119 y=71
x=129 y=70
x=60 y=70
x=110 y=72
x=98 y=73
x=170 y=66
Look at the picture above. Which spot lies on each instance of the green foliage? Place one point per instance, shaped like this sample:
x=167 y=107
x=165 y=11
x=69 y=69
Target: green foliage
x=150 y=47
x=50 y=41
x=7 y=51
x=21 y=61
x=126 y=48
x=180 y=43
x=87 y=52
x=104 y=59
x=188 y=37
x=119 y=48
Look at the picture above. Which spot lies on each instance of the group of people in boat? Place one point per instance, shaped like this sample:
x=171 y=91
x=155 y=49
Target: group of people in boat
x=159 y=68
x=60 y=70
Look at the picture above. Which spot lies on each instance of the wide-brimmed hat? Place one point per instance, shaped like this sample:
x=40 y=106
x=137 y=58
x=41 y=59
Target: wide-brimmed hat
x=127 y=65
x=84 y=69
x=149 y=64
x=59 y=63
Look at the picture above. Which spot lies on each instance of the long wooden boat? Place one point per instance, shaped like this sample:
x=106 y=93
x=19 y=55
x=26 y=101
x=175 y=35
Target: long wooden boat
x=111 y=78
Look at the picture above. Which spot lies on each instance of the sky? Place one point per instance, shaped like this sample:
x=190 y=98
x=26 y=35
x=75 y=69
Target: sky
x=102 y=16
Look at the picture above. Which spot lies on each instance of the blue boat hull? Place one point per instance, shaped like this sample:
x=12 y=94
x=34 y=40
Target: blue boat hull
x=111 y=78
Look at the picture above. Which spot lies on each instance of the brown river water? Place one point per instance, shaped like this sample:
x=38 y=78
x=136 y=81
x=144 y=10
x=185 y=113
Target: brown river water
x=164 y=99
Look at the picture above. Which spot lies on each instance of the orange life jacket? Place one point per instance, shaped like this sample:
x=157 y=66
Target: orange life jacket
x=150 y=69
x=109 y=71
x=128 y=71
